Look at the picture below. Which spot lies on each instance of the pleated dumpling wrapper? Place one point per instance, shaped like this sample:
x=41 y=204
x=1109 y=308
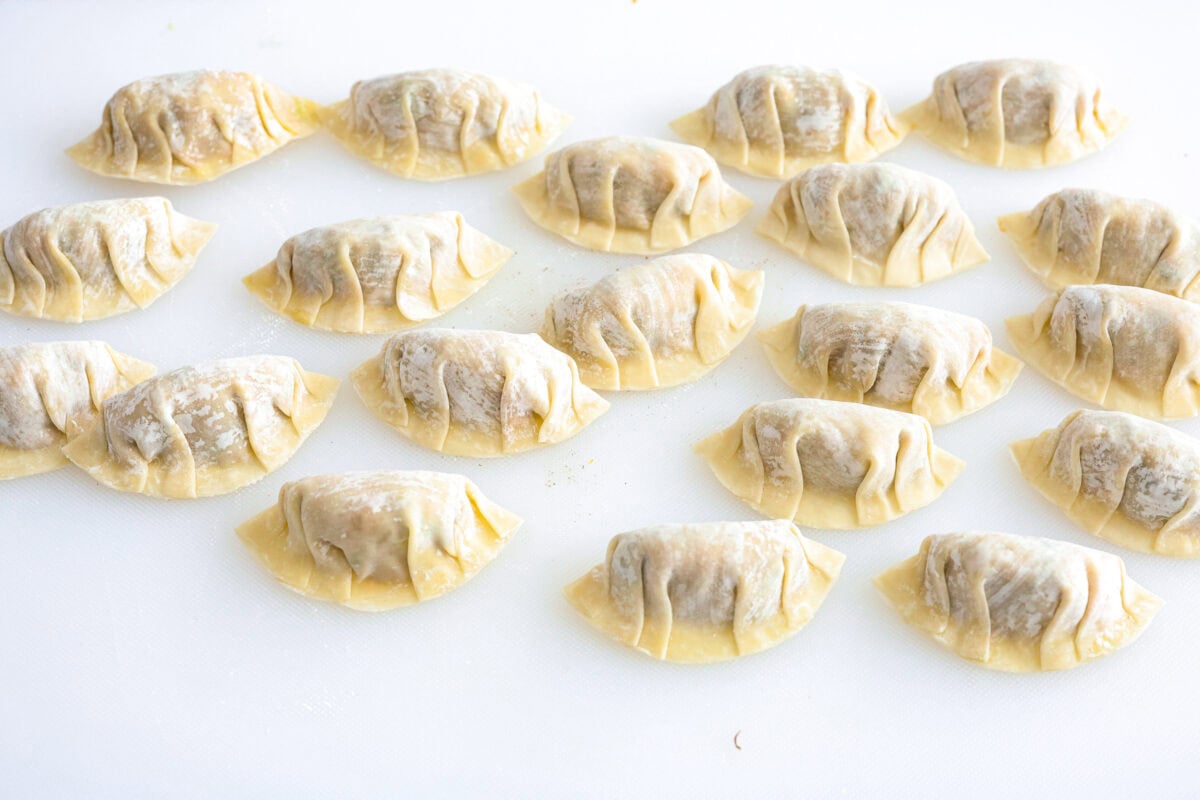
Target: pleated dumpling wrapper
x=774 y=121
x=191 y=127
x=1017 y=113
x=1080 y=236
x=827 y=464
x=901 y=356
x=631 y=195
x=874 y=225
x=705 y=592
x=93 y=260
x=662 y=323
x=1019 y=603
x=476 y=393
x=380 y=274
x=436 y=124
x=1126 y=479
x=378 y=540
x=1121 y=347
x=203 y=430
x=45 y=387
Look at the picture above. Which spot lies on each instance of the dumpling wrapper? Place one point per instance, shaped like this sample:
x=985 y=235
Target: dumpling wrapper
x=380 y=274
x=1019 y=603
x=191 y=127
x=378 y=540
x=631 y=195
x=774 y=121
x=476 y=393
x=659 y=324
x=46 y=387
x=874 y=225
x=707 y=592
x=1131 y=481
x=203 y=430
x=93 y=260
x=827 y=464
x=920 y=360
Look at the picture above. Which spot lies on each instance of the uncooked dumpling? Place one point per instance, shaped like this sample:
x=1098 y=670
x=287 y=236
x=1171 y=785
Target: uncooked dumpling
x=658 y=324
x=191 y=127
x=827 y=464
x=1016 y=113
x=631 y=195
x=776 y=120
x=202 y=430
x=380 y=274
x=1126 y=479
x=476 y=393
x=43 y=387
x=92 y=260
x=1086 y=236
x=901 y=356
x=1019 y=603
x=707 y=591
x=444 y=123
x=873 y=225
x=1121 y=347
x=378 y=540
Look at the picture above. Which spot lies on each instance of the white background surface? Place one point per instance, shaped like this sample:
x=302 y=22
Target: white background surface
x=143 y=652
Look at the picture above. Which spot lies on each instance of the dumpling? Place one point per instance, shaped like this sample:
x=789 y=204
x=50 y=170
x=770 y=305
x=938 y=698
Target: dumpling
x=202 y=430
x=93 y=260
x=378 y=540
x=1019 y=603
x=1120 y=347
x=774 y=121
x=191 y=127
x=658 y=324
x=1016 y=113
x=901 y=356
x=1086 y=236
x=706 y=592
x=1128 y=480
x=378 y=275
x=827 y=464
x=43 y=386
x=631 y=195
x=476 y=393
x=873 y=225
x=444 y=123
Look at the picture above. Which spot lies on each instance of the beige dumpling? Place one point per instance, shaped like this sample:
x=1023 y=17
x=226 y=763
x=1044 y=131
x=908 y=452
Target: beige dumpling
x=444 y=123
x=707 y=592
x=1080 y=236
x=658 y=324
x=774 y=121
x=45 y=386
x=873 y=225
x=631 y=195
x=901 y=356
x=378 y=275
x=827 y=464
x=93 y=260
x=1121 y=347
x=378 y=540
x=202 y=430
x=476 y=393
x=191 y=127
x=1019 y=603
x=1128 y=480
x=1016 y=113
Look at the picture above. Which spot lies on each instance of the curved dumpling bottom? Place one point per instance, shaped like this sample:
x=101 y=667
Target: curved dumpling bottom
x=1018 y=603
x=374 y=541
x=707 y=591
